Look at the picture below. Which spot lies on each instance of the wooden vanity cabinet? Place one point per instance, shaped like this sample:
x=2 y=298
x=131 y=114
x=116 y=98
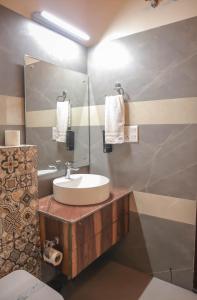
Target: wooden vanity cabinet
x=83 y=240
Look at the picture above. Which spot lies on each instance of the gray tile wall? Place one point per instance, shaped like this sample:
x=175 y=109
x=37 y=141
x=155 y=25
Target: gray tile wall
x=156 y=245
x=44 y=82
x=163 y=162
x=162 y=64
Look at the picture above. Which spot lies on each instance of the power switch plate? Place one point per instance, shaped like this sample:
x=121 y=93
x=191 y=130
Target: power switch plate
x=131 y=134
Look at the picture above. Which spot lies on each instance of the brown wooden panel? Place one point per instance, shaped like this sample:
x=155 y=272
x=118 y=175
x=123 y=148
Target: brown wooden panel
x=86 y=254
x=84 y=241
x=95 y=247
x=126 y=204
x=54 y=229
x=90 y=226
x=42 y=230
x=122 y=206
x=106 y=216
x=66 y=265
x=106 y=238
x=51 y=228
x=72 y=214
x=82 y=230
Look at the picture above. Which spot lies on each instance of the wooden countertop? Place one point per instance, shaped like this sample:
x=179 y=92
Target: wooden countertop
x=67 y=213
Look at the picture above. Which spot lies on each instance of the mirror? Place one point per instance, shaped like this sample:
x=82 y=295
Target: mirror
x=45 y=83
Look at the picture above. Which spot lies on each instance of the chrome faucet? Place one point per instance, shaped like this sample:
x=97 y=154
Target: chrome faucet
x=69 y=167
x=55 y=166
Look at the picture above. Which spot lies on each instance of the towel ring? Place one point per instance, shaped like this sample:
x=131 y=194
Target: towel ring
x=63 y=96
x=119 y=89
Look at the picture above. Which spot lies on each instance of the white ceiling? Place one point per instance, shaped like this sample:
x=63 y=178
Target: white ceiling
x=109 y=18
x=91 y=16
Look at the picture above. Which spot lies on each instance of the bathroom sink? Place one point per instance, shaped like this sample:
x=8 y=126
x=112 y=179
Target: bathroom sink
x=46 y=172
x=81 y=189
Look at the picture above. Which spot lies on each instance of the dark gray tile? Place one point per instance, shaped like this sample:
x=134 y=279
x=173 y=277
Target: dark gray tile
x=162 y=65
x=44 y=82
x=166 y=276
x=163 y=162
x=155 y=245
x=183 y=278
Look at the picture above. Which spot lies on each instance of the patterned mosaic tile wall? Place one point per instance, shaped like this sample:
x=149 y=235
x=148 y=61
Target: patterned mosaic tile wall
x=19 y=229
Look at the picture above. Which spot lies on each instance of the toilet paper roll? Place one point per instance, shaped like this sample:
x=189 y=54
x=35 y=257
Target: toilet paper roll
x=53 y=256
x=12 y=137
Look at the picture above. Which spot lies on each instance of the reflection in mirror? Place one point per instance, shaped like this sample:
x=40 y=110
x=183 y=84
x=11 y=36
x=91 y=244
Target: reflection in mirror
x=56 y=109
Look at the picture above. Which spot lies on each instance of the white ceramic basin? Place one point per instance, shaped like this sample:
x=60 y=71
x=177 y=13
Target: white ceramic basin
x=81 y=189
x=46 y=172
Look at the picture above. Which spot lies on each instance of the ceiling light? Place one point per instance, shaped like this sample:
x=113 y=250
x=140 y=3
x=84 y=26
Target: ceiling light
x=60 y=25
x=111 y=55
x=54 y=45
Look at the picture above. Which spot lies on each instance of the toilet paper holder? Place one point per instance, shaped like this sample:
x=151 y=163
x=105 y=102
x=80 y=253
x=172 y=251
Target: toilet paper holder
x=51 y=244
x=50 y=254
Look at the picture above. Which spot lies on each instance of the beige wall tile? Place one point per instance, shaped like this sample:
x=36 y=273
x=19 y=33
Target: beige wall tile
x=29 y=60
x=167 y=111
x=12 y=110
x=3 y=110
x=41 y=118
x=170 y=208
x=80 y=116
x=97 y=115
x=47 y=118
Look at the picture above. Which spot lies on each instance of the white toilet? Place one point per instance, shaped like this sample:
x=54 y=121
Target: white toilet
x=22 y=285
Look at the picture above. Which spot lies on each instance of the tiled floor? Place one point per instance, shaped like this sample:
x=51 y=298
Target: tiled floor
x=108 y=280
x=161 y=290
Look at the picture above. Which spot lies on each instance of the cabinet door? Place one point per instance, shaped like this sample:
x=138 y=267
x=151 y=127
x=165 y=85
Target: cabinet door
x=93 y=248
x=86 y=228
x=94 y=235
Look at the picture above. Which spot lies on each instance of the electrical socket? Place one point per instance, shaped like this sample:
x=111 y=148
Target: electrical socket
x=131 y=134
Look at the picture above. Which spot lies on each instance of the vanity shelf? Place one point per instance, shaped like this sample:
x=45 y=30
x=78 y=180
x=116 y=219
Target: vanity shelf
x=85 y=232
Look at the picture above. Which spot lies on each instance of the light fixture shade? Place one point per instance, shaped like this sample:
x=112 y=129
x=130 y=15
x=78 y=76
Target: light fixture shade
x=49 y=20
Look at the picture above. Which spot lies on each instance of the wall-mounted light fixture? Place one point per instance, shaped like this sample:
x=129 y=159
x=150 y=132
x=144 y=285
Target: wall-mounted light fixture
x=49 y=20
x=154 y=3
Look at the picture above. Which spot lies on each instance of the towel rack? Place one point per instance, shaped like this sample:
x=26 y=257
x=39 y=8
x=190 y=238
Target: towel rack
x=119 y=89
x=63 y=97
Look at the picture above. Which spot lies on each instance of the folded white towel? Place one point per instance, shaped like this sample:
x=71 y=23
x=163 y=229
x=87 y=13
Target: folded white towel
x=114 y=119
x=62 y=111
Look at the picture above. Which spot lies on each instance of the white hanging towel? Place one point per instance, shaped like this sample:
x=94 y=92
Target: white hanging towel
x=62 y=111
x=114 y=119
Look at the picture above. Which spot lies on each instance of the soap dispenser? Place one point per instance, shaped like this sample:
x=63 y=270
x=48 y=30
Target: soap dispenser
x=107 y=148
